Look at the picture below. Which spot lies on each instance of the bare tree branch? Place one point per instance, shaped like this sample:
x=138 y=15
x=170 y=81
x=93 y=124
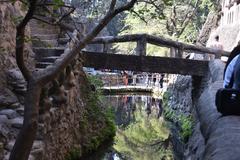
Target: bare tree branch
x=188 y=18
x=49 y=73
x=139 y=16
x=112 y=5
x=65 y=15
x=20 y=41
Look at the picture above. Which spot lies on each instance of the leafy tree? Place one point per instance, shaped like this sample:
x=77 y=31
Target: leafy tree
x=178 y=20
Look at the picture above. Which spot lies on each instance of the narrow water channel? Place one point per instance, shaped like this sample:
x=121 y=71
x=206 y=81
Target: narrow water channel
x=142 y=133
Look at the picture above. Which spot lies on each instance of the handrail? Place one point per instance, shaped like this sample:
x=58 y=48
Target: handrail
x=159 y=41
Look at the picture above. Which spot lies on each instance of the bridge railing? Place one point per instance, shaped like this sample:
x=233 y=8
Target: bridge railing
x=143 y=80
x=142 y=39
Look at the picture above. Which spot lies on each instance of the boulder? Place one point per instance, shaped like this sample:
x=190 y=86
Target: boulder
x=7 y=98
x=10 y=113
x=17 y=122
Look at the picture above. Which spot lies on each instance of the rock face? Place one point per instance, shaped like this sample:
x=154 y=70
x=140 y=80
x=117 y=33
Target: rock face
x=214 y=136
x=181 y=93
x=8 y=16
x=7 y=98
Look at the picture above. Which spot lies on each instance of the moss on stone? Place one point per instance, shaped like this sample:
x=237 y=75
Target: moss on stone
x=97 y=124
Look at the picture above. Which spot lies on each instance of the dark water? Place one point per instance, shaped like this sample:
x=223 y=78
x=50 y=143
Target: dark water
x=142 y=133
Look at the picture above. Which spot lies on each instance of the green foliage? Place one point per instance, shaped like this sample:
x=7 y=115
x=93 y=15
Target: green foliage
x=178 y=20
x=166 y=96
x=74 y=154
x=185 y=121
x=95 y=81
x=97 y=124
x=58 y=4
x=186 y=126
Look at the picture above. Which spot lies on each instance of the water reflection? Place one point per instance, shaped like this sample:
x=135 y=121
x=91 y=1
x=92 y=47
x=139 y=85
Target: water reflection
x=142 y=133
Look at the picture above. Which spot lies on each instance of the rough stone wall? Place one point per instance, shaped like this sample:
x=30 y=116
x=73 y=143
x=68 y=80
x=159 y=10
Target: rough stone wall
x=62 y=127
x=185 y=94
x=8 y=15
x=7 y=39
x=179 y=100
x=215 y=137
x=65 y=127
x=180 y=90
x=10 y=102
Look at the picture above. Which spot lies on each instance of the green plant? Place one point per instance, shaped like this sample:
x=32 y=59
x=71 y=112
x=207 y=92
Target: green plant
x=95 y=80
x=166 y=96
x=98 y=121
x=74 y=154
x=186 y=123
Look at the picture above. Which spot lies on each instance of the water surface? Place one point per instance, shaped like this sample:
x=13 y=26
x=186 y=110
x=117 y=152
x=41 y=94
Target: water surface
x=142 y=132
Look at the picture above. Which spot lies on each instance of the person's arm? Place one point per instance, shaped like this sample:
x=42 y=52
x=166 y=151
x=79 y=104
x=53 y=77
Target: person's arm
x=229 y=72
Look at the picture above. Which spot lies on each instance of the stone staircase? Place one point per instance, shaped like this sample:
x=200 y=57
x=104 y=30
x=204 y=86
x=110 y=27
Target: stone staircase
x=48 y=46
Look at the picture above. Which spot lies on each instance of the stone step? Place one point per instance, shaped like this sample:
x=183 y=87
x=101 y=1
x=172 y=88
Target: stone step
x=20 y=88
x=45 y=36
x=43 y=31
x=17 y=83
x=20 y=91
x=20 y=85
x=47 y=52
x=63 y=40
x=51 y=59
x=42 y=64
x=20 y=111
x=44 y=43
x=42 y=26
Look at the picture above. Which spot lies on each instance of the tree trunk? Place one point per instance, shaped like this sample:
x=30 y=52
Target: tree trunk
x=25 y=138
x=210 y=23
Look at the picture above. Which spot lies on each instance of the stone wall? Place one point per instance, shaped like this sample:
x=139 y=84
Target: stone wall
x=10 y=101
x=68 y=128
x=212 y=133
x=8 y=16
x=75 y=127
x=214 y=137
